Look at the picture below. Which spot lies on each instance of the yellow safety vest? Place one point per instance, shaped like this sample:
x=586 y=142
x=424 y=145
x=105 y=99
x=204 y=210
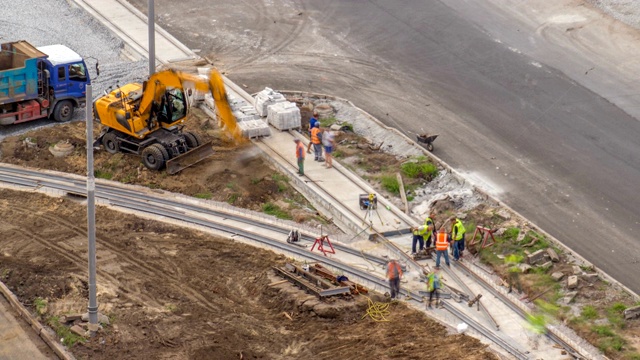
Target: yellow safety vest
x=459 y=229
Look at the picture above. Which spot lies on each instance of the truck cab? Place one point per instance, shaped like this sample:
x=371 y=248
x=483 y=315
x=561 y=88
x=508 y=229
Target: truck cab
x=48 y=81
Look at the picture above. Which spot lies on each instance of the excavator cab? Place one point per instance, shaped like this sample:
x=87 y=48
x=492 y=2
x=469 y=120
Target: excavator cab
x=173 y=106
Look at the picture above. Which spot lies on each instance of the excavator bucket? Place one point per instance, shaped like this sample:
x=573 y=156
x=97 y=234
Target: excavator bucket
x=189 y=158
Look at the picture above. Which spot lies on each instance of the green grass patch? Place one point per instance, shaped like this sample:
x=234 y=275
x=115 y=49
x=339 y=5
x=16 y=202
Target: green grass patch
x=390 y=183
x=40 y=305
x=282 y=181
x=589 y=313
x=632 y=356
x=204 y=195
x=255 y=181
x=233 y=198
x=511 y=233
x=611 y=344
x=69 y=339
x=419 y=170
x=231 y=186
x=103 y=174
x=327 y=122
x=275 y=210
x=338 y=154
x=603 y=330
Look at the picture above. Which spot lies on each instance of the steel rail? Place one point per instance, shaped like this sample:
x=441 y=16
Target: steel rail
x=167 y=208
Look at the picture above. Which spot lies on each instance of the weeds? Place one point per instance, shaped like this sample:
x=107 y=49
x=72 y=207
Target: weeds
x=275 y=210
x=103 y=174
x=422 y=170
x=40 y=305
x=390 y=183
x=233 y=198
x=204 y=195
x=69 y=339
x=589 y=313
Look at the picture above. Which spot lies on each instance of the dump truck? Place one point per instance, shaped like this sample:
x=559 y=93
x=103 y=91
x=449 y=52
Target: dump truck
x=48 y=81
x=148 y=119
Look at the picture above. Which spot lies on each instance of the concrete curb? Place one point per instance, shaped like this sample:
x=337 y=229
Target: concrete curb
x=476 y=189
x=40 y=330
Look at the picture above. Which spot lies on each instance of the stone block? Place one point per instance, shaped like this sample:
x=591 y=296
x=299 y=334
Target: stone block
x=576 y=270
x=547 y=265
x=590 y=278
x=524 y=268
x=553 y=255
x=632 y=313
x=78 y=330
x=572 y=282
x=557 y=276
x=568 y=297
x=536 y=257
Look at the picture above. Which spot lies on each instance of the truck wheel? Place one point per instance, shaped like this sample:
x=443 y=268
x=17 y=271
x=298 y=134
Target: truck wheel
x=192 y=140
x=153 y=157
x=110 y=143
x=63 y=111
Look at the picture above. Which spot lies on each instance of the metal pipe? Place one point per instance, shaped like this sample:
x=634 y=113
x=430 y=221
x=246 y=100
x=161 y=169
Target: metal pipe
x=91 y=212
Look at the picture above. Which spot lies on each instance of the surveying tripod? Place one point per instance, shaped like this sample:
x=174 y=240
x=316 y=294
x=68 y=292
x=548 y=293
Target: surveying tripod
x=371 y=206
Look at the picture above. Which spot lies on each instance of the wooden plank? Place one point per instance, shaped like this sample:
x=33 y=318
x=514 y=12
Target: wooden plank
x=402 y=194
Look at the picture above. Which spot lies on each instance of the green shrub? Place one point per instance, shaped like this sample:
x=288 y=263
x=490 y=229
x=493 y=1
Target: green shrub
x=422 y=170
x=275 y=210
x=511 y=233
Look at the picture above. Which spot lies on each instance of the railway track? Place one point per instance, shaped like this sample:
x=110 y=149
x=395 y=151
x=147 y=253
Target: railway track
x=244 y=226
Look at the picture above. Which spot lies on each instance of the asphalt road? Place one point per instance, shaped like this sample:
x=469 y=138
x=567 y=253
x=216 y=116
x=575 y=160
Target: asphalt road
x=507 y=92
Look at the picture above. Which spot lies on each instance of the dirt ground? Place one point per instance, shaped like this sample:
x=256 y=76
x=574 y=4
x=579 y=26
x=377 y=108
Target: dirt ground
x=170 y=292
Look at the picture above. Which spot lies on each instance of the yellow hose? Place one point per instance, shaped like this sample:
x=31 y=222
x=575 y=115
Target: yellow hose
x=377 y=311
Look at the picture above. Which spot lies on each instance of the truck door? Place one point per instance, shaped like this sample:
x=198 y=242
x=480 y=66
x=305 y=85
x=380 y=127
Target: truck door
x=77 y=79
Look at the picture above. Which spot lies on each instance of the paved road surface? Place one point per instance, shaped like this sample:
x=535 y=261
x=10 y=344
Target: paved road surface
x=546 y=142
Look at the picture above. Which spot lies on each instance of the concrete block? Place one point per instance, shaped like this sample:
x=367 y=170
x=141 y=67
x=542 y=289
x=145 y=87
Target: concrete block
x=572 y=282
x=568 y=297
x=265 y=98
x=254 y=128
x=284 y=116
x=536 y=256
x=576 y=270
x=632 y=313
x=524 y=268
x=557 y=276
x=546 y=265
x=553 y=255
x=590 y=278
x=78 y=330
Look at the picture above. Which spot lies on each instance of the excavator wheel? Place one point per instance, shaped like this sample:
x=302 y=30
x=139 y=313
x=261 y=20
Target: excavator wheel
x=193 y=140
x=110 y=143
x=153 y=156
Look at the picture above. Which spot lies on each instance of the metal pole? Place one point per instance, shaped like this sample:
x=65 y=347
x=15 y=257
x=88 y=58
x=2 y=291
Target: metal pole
x=152 y=39
x=91 y=213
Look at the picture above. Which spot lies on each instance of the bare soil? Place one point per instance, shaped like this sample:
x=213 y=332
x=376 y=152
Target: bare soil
x=171 y=292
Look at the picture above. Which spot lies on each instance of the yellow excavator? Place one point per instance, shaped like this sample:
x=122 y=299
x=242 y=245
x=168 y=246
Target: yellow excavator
x=148 y=119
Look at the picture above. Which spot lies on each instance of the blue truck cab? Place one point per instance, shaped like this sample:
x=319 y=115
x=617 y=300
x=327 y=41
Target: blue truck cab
x=48 y=81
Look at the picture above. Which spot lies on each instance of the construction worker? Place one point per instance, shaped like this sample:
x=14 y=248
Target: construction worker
x=394 y=274
x=429 y=222
x=418 y=237
x=316 y=140
x=513 y=268
x=433 y=284
x=457 y=233
x=312 y=123
x=442 y=245
x=300 y=156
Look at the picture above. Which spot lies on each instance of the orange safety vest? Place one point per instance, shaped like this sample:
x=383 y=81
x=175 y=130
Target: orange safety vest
x=394 y=270
x=441 y=241
x=300 y=150
x=314 y=135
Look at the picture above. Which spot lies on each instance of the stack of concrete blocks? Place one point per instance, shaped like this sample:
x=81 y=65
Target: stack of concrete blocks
x=247 y=119
x=284 y=116
x=265 y=98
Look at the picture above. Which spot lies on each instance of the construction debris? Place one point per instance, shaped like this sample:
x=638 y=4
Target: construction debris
x=310 y=282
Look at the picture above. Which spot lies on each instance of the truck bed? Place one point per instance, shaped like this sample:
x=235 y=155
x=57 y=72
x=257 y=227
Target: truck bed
x=18 y=72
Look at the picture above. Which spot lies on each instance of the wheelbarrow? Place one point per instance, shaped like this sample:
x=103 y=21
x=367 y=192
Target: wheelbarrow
x=427 y=139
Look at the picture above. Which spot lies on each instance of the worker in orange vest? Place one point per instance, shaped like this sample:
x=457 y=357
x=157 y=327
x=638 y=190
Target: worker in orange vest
x=316 y=140
x=300 y=156
x=394 y=274
x=442 y=245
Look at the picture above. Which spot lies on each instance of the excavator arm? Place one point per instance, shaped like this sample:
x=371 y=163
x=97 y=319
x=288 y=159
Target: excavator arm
x=158 y=83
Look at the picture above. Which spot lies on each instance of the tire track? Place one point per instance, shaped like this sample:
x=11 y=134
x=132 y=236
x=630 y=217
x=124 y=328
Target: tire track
x=150 y=274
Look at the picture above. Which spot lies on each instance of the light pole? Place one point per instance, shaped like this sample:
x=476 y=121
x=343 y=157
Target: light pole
x=91 y=213
x=152 y=39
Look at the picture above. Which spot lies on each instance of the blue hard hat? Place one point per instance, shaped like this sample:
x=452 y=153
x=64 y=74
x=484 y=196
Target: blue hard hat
x=317 y=124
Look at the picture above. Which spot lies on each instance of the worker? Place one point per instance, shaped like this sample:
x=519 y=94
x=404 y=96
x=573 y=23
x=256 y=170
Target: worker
x=513 y=268
x=418 y=237
x=442 y=245
x=433 y=284
x=457 y=233
x=316 y=138
x=300 y=156
x=429 y=222
x=329 y=145
x=312 y=123
x=394 y=274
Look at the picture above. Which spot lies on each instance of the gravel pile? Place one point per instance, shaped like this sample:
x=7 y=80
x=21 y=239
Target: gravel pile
x=627 y=11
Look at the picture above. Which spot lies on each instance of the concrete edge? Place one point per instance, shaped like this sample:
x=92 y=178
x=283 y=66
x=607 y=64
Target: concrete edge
x=40 y=330
x=475 y=188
